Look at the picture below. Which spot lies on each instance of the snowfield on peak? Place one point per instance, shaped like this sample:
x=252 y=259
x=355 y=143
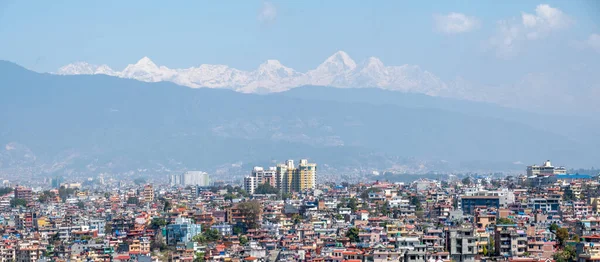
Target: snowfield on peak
x=339 y=70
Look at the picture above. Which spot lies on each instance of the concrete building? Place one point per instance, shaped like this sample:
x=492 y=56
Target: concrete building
x=470 y=203
x=224 y=229
x=547 y=169
x=260 y=176
x=462 y=244
x=148 y=194
x=286 y=177
x=190 y=178
x=510 y=241
x=547 y=204
x=23 y=193
x=506 y=196
x=296 y=179
x=182 y=231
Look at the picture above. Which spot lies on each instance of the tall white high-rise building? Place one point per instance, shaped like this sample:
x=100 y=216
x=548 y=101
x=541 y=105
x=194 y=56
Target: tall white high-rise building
x=286 y=177
x=190 y=178
x=260 y=176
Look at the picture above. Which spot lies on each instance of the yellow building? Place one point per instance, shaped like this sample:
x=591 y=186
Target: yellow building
x=148 y=194
x=296 y=179
x=42 y=222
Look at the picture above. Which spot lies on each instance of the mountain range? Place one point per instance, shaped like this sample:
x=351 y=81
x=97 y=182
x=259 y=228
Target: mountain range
x=339 y=70
x=570 y=90
x=88 y=124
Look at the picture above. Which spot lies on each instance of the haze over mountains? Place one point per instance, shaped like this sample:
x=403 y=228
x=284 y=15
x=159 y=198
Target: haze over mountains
x=541 y=92
x=98 y=123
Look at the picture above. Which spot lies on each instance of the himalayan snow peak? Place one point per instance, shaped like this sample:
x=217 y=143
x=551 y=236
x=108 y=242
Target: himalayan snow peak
x=339 y=70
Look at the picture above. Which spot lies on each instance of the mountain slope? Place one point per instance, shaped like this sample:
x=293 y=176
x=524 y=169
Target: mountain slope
x=93 y=123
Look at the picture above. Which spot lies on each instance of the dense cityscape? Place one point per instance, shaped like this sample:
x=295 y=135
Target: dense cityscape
x=313 y=131
x=284 y=213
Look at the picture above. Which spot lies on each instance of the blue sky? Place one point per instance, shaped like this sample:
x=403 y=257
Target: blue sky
x=44 y=35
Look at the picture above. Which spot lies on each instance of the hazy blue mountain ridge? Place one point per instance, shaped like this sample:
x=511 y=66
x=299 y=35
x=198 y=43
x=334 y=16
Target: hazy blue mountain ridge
x=93 y=122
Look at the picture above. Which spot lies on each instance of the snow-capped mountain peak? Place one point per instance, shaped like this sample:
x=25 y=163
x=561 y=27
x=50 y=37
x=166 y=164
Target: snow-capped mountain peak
x=338 y=70
x=274 y=68
x=77 y=68
x=146 y=62
x=374 y=62
x=340 y=60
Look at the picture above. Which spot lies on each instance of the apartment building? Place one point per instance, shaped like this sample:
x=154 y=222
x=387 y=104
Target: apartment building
x=510 y=240
x=462 y=244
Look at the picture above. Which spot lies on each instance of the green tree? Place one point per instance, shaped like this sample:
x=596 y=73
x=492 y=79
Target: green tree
x=485 y=251
x=45 y=196
x=296 y=218
x=108 y=228
x=414 y=200
x=251 y=211
x=140 y=180
x=209 y=235
x=568 y=195
x=15 y=202
x=352 y=204
x=229 y=197
x=167 y=206
x=243 y=240
x=238 y=230
x=444 y=184
x=242 y=192
x=568 y=254
x=80 y=205
x=352 y=234
x=64 y=193
x=212 y=235
x=133 y=201
x=466 y=181
x=199 y=257
x=157 y=223
x=385 y=209
x=495 y=183
x=5 y=190
x=200 y=238
x=265 y=188
x=504 y=221
x=562 y=235
x=365 y=194
x=554 y=227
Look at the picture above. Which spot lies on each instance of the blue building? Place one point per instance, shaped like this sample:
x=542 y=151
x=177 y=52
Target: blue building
x=182 y=231
x=470 y=203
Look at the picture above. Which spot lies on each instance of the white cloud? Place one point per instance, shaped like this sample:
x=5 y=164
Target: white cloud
x=506 y=40
x=511 y=33
x=594 y=42
x=545 y=20
x=454 y=23
x=268 y=13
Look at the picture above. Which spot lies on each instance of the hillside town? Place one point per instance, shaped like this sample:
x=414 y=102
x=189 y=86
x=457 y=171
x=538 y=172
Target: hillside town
x=284 y=213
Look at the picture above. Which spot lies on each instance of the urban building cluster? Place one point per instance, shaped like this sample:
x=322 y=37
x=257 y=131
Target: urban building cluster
x=533 y=217
x=287 y=178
